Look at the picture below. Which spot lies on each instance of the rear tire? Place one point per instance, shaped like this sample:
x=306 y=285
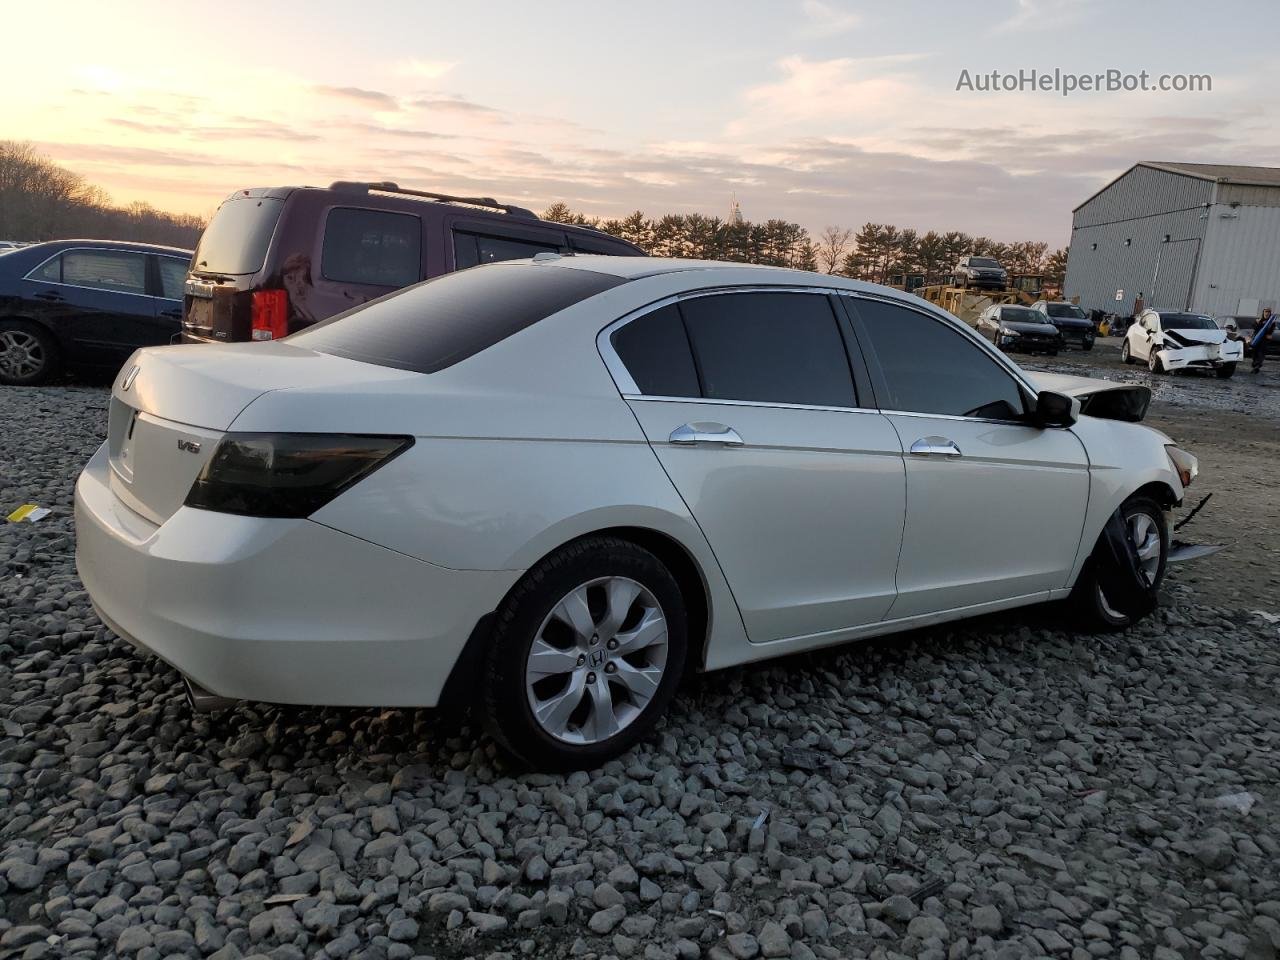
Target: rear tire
x=587 y=651
x=1102 y=601
x=29 y=354
x=1226 y=371
x=1086 y=345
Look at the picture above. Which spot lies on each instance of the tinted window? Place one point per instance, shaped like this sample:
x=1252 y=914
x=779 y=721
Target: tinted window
x=600 y=245
x=173 y=274
x=372 y=247
x=930 y=368
x=236 y=239
x=471 y=249
x=656 y=353
x=982 y=262
x=769 y=347
x=105 y=270
x=436 y=324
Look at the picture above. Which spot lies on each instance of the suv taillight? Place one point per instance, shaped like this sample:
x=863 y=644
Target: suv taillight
x=270 y=315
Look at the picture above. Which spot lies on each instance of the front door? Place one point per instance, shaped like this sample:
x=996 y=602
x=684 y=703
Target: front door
x=995 y=506
x=749 y=403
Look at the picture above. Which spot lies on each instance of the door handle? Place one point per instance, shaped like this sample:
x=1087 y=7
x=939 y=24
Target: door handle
x=49 y=295
x=706 y=432
x=935 y=446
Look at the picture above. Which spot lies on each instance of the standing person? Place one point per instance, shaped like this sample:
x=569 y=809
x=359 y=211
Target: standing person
x=1261 y=337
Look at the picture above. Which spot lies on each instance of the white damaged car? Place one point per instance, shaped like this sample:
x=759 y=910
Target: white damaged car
x=1173 y=340
x=545 y=489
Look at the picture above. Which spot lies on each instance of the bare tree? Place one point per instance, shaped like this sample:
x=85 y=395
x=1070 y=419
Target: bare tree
x=832 y=246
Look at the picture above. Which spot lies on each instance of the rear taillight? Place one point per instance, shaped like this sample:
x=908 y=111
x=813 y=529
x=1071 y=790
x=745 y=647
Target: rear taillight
x=270 y=314
x=287 y=474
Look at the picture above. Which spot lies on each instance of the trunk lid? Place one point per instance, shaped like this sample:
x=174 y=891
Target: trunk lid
x=171 y=405
x=217 y=308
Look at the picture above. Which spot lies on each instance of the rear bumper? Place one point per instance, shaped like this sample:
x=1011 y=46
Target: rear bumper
x=282 y=611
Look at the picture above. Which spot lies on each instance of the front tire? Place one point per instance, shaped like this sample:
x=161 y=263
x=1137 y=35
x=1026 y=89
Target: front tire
x=28 y=354
x=1125 y=355
x=1154 y=363
x=1226 y=371
x=1111 y=595
x=586 y=654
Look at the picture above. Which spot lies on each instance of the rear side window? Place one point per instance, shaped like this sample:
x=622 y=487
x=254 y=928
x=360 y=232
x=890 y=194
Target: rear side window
x=930 y=368
x=173 y=274
x=115 y=270
x=436 y=324
x=656 y=353
x=770 y=348
x=236 y=239
x=372 y=247
x=50 y=272
x=471 y=249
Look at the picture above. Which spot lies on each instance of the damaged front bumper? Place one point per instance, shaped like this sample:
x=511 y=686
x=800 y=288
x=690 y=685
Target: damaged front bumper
x=1208 y=356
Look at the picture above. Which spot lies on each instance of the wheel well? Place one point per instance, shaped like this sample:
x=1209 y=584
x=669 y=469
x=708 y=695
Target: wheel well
x=687 y=576
x=1160 y=492
x=455 y=695
x=53 y=334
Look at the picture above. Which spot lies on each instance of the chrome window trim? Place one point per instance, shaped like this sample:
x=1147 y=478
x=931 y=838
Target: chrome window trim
x=748 y=403
x=629 y=390
x=81 y=286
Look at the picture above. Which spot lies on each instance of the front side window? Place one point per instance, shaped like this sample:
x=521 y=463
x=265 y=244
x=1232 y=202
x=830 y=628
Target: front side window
x=928 y=367
x=471 y=249
x=115 y=270
x=372 y=247
x=655 y=350
x=770 y=348
x=173 y=274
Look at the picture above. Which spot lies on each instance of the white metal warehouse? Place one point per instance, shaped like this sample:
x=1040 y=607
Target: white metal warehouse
x=1187 y=236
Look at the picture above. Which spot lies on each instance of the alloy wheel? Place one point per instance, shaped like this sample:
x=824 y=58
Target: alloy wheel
x=1148 y=547
x=597 y=660
x=22 y=355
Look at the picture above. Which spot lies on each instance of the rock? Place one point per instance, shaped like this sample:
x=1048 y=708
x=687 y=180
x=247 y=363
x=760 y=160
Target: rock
x=743 y=946
x=603 y=921
x=986 y=920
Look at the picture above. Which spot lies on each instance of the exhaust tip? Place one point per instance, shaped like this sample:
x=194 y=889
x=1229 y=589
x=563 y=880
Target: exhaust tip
x=203 y=701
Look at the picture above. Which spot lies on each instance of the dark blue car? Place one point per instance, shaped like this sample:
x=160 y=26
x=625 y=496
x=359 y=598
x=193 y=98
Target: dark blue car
x=85 y=305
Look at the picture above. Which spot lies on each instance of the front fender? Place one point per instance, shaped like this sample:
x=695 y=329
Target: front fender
x=1123 y=459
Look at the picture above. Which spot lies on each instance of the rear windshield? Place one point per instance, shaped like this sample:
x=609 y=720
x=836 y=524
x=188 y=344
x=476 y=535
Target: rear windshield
x=236 y=239
x=436 y=324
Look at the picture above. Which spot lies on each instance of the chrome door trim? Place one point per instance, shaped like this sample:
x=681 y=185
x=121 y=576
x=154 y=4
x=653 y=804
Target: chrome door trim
x=703 y=431
x=646 y=397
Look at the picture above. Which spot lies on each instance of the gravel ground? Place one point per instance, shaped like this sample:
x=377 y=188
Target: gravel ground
x=1001 y=788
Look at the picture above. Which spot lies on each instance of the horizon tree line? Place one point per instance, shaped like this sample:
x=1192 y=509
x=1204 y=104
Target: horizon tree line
x=877 y=252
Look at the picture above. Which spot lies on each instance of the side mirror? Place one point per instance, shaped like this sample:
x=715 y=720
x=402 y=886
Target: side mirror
x=1056 y=409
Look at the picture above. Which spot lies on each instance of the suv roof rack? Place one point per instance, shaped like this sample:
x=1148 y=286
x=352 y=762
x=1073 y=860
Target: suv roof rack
x=387 y=186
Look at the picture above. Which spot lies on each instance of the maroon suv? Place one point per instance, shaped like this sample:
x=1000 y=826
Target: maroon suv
x=274 y=260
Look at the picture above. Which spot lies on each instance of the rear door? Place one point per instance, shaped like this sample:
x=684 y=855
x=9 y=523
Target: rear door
x=995 y=506
x=98 y=298
x=749 y=402
x=168 y=278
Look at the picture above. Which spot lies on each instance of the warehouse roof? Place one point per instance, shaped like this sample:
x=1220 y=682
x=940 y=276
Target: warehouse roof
x=1218 y=172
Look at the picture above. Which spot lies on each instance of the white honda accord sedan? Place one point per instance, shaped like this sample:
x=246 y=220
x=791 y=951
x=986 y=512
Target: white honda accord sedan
x=551 y=487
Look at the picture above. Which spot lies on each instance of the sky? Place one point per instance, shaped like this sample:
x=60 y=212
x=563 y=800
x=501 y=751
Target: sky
x=817 y=111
